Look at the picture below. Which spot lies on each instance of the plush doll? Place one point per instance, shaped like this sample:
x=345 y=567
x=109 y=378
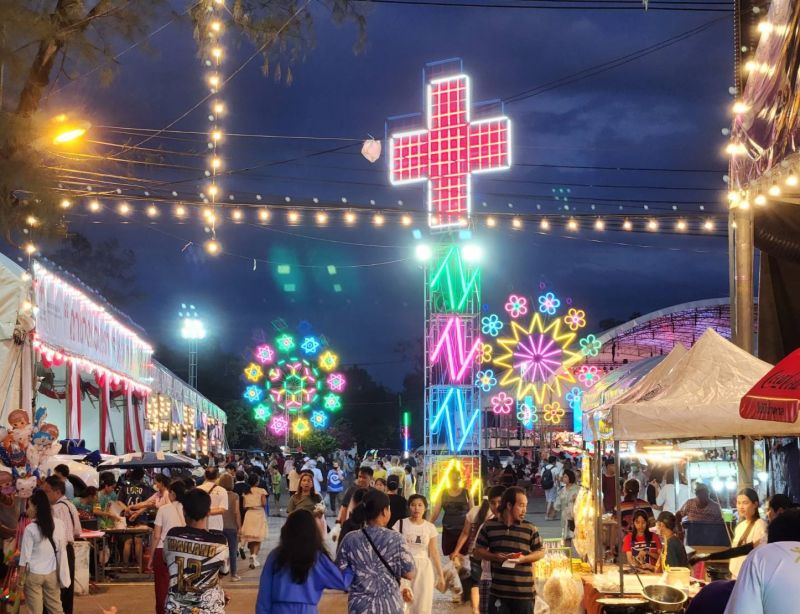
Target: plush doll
x=25 y=487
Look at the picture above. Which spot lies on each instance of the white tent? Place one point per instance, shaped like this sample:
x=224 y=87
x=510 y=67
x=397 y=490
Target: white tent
x=699 y=397
x=599 y=421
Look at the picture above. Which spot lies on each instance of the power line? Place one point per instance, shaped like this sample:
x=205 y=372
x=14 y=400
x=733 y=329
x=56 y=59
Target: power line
x=555 y=7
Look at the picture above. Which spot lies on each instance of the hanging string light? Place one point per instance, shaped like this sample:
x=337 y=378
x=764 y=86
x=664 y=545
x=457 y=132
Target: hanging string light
x=213 y=60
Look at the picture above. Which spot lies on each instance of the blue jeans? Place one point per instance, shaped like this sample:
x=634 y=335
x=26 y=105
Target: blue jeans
x=232 y=535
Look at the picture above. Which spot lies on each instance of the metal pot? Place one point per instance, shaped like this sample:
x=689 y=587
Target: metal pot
x=663 y=598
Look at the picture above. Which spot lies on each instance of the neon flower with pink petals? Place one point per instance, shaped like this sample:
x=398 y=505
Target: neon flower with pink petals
x=516 y=306
x=588 y=375
x=502 y=403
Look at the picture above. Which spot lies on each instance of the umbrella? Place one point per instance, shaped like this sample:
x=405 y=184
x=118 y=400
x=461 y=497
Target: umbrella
x=147 y=460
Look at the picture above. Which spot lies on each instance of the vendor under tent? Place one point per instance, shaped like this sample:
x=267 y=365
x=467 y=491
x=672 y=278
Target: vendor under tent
x=149 y=460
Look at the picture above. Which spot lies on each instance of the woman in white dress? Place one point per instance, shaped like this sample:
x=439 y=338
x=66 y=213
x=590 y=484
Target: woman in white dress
x=421 y=538
x=254 y=527
x=752 y=529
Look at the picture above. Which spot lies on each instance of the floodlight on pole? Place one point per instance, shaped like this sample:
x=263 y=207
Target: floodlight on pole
x=193 y=330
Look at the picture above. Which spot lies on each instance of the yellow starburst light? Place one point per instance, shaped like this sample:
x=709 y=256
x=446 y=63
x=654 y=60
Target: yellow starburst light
x=253 y=372
x=536 y=359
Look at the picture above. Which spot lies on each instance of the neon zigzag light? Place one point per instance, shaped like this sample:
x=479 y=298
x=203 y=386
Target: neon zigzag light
x=458 y=359
x=454 y=282
x=444 y=415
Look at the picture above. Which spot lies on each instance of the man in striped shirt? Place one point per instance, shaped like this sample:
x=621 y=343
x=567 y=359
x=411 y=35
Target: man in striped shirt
x=511 y=544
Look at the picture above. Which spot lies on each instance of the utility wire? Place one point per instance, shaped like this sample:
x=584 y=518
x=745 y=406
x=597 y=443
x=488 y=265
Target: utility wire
x=552 y=7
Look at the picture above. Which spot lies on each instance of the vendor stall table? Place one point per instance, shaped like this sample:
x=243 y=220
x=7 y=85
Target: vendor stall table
x=97 y=541
x=117 y=536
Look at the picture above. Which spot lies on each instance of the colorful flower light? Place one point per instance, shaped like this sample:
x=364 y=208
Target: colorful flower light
x=310 y=346
x=253 y=394
x=319 y=419
x=301 y=427
x=516 y=306
x=285 y=343
x=502 y=403
x=491 y=325
x=264 y=354
x=485 y=380
x=332 y=402
x=527 y=415
x=590 y=345
x=328 y=361
x=336 y=382
x=549 y=304
x=486 y=353
x=588 y=375
x=535 y=359
x=574 y=396
x=575 y=319
x=553 y=412
x=253 y=372
x=278 y=425
x=294 y=385
x=262 y=412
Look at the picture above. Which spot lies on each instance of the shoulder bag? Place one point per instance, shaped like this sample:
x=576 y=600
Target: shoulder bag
x=380 y=556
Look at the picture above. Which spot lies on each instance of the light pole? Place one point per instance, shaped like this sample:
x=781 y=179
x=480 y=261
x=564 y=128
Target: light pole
x=192 y=329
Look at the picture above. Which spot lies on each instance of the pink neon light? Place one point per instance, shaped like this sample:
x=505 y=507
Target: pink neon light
x=516 y=306
x=449 y=151
x=336 y=382
x=538 y=357
x=502 y=403
x=278 y=425
x=264 y=354
x=457 y=357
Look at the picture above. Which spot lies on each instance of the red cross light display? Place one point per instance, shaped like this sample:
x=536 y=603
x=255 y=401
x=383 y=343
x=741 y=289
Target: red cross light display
x=449 y=151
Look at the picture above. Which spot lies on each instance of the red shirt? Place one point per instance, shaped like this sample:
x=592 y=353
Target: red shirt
x=640 y=545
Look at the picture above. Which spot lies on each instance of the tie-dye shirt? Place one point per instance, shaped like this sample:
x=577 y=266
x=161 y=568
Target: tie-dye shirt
x=374 y=589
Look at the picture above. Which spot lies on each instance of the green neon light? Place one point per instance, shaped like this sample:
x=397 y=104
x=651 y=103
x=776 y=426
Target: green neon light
x=406 y=419
x=453 y=282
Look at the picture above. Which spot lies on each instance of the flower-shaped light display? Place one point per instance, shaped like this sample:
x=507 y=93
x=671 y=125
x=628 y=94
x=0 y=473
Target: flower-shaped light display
x=486 y=353
x=319 y=419
x=336 y=382
x=485 y=380
x=516 y=306
x=300 y=381
x=575 y=319
x=588 y=375
x=310 y=346
x=301 y=427
x=574 y=396
x=491 y=325
x=278 y=425
x=253 y=372
x=527 y=415
x=328 y=361
x=553 y=412
x=549 y=304
x=264 y=354
x=590 y=345
x=502 y=403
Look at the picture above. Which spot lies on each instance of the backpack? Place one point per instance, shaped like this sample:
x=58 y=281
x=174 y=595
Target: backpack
x=547 y=478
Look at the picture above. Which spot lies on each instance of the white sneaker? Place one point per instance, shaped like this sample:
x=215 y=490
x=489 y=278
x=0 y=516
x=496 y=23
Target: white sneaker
x=256 y=563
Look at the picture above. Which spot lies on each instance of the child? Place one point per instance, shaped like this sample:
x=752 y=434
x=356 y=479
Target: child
x=640 y=546
x=674 y=554
x=421 y=538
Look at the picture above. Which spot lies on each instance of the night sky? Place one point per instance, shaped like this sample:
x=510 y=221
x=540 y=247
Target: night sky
x=662 y=111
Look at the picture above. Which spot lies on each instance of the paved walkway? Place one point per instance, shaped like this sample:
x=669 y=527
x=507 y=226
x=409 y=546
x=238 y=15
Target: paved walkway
x=138 y=598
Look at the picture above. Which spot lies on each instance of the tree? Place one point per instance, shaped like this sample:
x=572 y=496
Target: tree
x=44 y=41
x=371 y=409
x=319 y=442
x=105 y=267
x=242 y=430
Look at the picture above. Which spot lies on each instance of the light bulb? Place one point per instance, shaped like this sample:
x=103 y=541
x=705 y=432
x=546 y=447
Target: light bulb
x=572 y=224
x=65 y=204
x=774 y=190
x=744 y=204
x=124 y=208
x=751 y=66
x=213 y=80
x=599 y=225
x=237 y=214
x=544 y=225
x=263 y=215
x=152 y=211
x=322 y=217
x=216 y=163
x=734 y=196
x=760 y=200
x=213 y=247
x=740 y=107
x=31 y=221
x=216 y=52
x=652 y=225
x=378 y=219
x=791 y=180
x=212 y=190
x=350 y=217
x=216 y=26
x=491 y=222
x=681 y=225
x=180 y=211
x=406 y=220
x=516 y=223
x=30 y=249
x=708 y=225
x=626 y=225
x=218 y=108
x=216 y=135
x=293 y=217
x=94 y=206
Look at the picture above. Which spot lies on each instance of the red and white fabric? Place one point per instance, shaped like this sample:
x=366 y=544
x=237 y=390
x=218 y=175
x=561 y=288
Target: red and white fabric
x=74 y=401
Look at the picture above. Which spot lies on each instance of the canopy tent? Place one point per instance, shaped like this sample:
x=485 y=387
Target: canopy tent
x=699 y=397
x=776 y=396
x=598 y=423
x=618 y=381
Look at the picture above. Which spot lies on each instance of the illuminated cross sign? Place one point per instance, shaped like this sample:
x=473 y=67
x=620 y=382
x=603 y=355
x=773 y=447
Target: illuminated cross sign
x=449 y=151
